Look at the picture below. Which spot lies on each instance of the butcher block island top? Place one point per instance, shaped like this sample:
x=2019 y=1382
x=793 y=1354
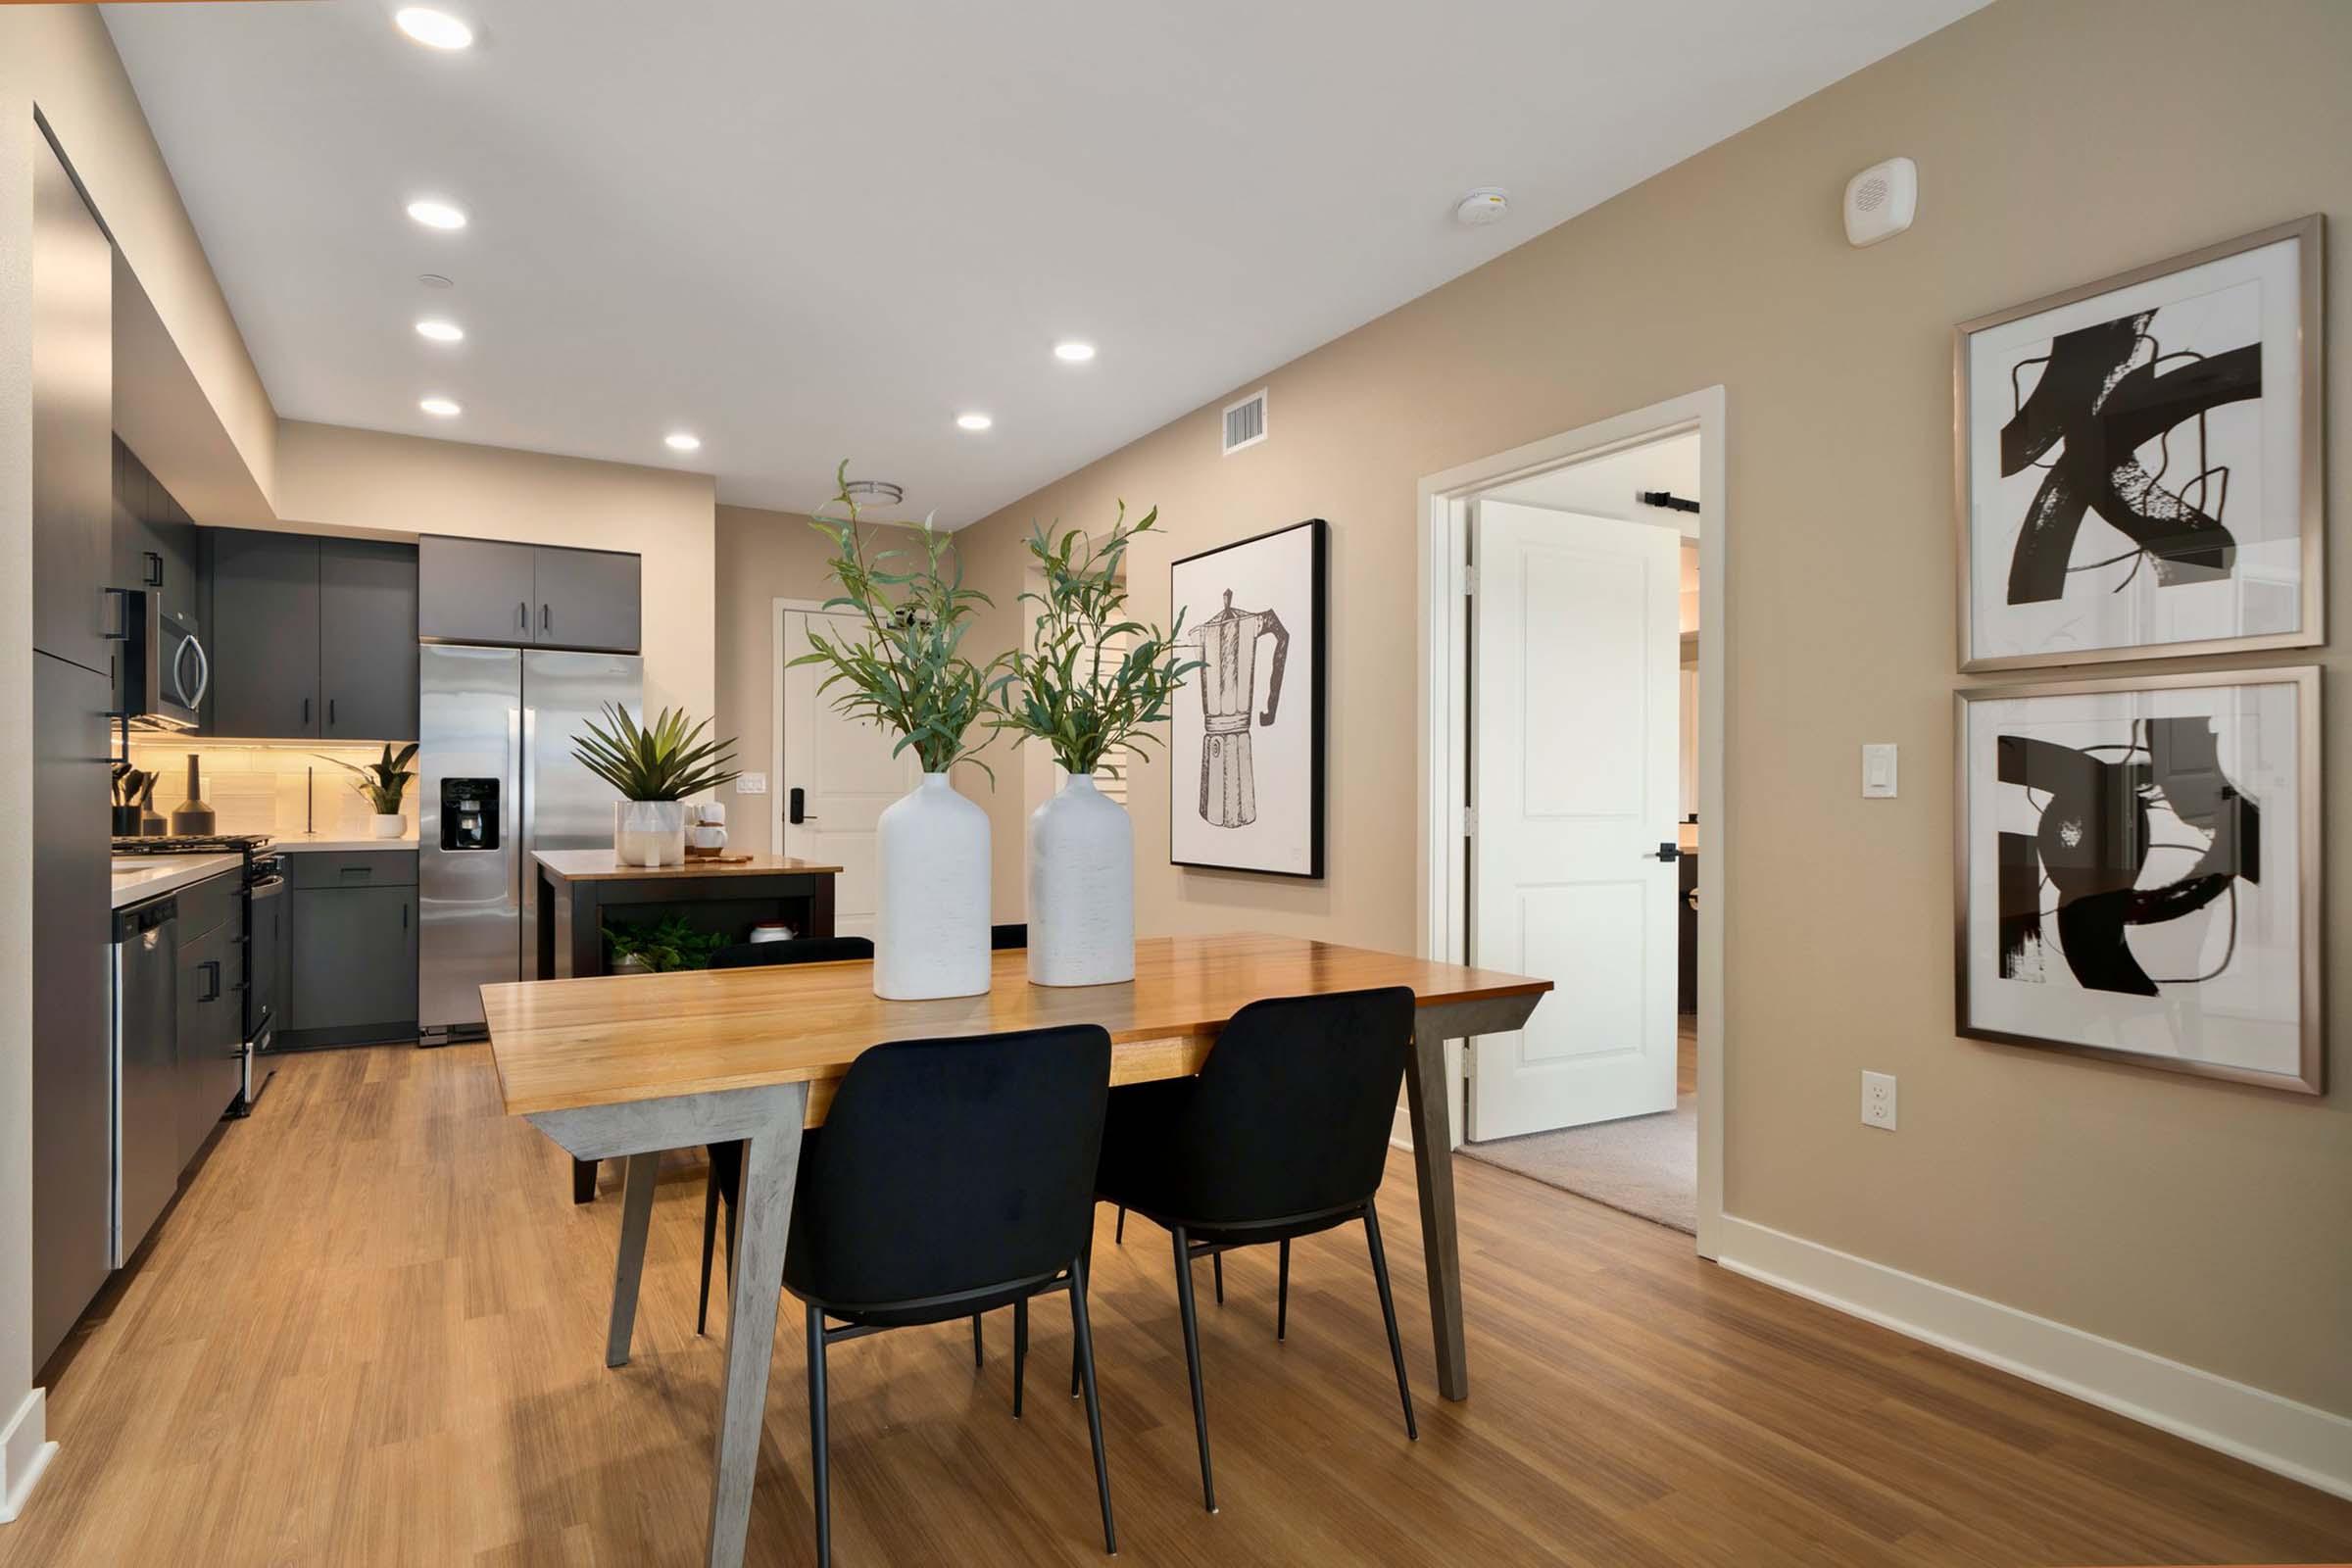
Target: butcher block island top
x=560 y=1044
x=602 y=865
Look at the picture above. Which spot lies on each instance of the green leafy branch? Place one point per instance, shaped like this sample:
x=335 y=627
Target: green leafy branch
x=1076 y=689
x=903 y=670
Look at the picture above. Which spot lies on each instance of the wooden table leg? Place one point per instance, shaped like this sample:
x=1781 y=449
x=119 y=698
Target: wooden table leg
x=771 y=1163
x=636 y=1218
x=1441 y=1246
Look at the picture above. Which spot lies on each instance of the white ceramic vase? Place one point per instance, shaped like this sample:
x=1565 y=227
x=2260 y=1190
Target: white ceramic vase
x=931 y=913
x=649 y=832
x=389 y=827
x=1081 y=887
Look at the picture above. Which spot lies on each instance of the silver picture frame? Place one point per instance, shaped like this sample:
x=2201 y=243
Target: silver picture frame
x=2308 y=1074
x=2310 y=377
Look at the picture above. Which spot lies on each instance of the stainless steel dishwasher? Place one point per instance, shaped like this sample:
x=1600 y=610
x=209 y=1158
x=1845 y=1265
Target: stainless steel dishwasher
x=146 y=1075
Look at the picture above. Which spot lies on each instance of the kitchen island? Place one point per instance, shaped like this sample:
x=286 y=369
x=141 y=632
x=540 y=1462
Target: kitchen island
x=581 y=892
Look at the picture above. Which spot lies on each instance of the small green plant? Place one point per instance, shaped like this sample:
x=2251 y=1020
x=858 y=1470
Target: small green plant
x=385 y=782
x=1078 y=690
x=663 y=760
x=666 y=944
x=903 y=670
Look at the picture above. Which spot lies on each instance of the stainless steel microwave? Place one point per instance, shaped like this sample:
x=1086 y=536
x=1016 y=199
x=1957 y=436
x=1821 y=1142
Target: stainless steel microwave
x=165 y=666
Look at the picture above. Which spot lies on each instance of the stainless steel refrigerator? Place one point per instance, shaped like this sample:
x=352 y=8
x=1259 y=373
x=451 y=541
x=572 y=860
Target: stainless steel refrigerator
x=499 y=781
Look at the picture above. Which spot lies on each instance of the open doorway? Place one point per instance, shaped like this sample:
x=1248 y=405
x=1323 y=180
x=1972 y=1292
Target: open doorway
x=1578 y=736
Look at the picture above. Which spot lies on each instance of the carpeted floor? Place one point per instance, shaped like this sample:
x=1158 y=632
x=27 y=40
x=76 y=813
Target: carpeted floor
x=1645 y=1165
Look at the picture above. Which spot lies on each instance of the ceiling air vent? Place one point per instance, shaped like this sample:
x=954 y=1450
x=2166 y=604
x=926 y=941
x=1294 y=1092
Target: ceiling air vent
x=1246 y=421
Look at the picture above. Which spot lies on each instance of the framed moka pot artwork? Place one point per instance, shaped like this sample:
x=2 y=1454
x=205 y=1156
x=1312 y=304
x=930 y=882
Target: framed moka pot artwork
x=1245 y=790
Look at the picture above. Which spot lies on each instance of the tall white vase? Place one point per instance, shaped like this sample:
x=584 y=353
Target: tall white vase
x=1081 y=887
x=931 y=920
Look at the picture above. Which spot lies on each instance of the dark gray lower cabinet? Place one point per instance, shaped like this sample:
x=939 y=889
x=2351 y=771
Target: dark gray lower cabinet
x=353 y=947
x=211 y=1011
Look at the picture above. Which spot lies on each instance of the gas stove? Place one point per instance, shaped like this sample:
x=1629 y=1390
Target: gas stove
x=194 y=844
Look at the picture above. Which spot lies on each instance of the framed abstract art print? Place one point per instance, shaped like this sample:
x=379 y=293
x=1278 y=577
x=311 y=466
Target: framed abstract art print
x=2139 y=870
x=2137 y=462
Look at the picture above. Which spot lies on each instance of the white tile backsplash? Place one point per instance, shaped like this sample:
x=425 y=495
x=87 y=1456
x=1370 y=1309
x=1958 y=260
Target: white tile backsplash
x=274 y=789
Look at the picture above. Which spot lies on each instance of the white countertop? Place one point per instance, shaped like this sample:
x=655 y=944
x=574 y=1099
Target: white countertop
x=296 y=843
x=146 y=876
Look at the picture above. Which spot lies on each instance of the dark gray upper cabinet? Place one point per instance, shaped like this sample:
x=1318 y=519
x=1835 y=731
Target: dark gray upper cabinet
x=155 y=539
x=72 y=423
x=262 y=632
x=587 y=599
x=527 y=595
x=367 y=640
x=474 y=591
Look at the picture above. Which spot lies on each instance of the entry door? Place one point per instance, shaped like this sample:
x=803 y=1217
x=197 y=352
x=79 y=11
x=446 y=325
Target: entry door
x=1575 y=783
x=846 y=772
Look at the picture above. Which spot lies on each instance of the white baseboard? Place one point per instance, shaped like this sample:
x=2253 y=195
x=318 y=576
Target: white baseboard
x=2297 y=1440
x=24 y=1452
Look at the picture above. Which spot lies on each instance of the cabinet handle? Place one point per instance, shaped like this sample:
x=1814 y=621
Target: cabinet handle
x=403 y=915
x=212 y=968
x=546 y=618
x=306 y=710
x=330 y=713
x=155 y=568
x=523 y=616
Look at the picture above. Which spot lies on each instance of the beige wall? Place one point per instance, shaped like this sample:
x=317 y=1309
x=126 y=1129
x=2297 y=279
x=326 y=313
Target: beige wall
x=2202 y=1222
x=329 y=476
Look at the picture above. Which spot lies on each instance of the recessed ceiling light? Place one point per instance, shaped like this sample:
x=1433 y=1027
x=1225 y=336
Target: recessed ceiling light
x=682 y=441
x=435 y=29
x=437 y=215
x=434 y=279
x=441 y=331
x=440 y=407
x=974 y=421
x=1074 y=351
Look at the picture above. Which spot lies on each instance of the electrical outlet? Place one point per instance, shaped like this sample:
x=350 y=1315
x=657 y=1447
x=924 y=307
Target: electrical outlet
x=1878 y=1100
x=750 y=784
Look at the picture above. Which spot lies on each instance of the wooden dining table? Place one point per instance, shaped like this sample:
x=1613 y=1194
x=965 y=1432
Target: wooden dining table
x=628 y=1067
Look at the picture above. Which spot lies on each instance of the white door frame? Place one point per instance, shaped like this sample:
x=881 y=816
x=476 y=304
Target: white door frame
x=775 y=711
x=1443 y=876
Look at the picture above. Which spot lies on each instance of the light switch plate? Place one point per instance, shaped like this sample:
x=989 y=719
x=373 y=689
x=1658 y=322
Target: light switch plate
x=750 y=784
x=1878 y=1100
x=1878 y=772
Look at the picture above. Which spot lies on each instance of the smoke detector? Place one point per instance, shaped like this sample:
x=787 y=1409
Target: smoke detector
x=1482 y=206
x=1880 y=201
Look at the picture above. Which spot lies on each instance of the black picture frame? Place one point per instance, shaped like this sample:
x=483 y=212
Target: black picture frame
x=1183 y=794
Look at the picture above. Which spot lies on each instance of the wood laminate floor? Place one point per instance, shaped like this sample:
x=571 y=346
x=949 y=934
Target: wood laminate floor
x=370 y=1333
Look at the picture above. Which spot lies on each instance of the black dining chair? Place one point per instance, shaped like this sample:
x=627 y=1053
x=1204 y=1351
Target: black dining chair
x=1284 y=1133
x=952 y=1177
x=726 y=1159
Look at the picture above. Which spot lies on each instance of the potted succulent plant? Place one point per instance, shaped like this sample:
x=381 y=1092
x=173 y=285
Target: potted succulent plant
x=1091 y=686
x=384 y=784
x=902 y=668
x=655 y=766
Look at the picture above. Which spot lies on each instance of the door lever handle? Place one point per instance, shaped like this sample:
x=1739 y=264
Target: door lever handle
x=1668 y=851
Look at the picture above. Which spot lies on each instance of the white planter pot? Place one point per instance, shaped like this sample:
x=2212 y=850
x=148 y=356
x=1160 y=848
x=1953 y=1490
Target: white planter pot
x=389 y=827
x=649 y=832
x=1081 y=887
x=931 y=913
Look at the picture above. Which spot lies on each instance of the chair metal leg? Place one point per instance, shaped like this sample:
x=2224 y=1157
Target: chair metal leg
x=976 y=1358
x=1088 y=1254
x=1021 y=1351
x=1191 y=1362
x=1082 y=1331
x=702 y=1305
x=1387 y=1311
x=1282 y=1293
x=1216 y=1269
x=818 y=1446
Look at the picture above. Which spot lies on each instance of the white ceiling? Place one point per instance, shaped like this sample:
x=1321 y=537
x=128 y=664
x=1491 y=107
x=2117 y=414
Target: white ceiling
x=809 y=232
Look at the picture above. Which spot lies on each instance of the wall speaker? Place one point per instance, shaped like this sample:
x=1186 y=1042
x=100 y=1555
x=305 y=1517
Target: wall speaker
x=1880 y=201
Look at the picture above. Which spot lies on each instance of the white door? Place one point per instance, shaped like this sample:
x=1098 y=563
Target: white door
x=1575 y=781
x=846 y=773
